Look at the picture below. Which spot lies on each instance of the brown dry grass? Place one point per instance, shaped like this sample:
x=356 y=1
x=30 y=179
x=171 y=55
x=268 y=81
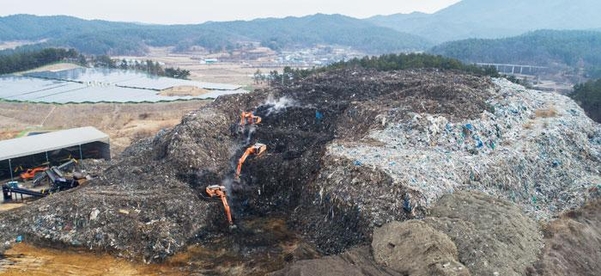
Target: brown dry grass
x=546 y=112
x=183 y=91
x=221 y=72
x=123 y=123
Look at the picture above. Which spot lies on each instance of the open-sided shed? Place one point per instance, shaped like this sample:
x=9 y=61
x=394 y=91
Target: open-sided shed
x=52 y=148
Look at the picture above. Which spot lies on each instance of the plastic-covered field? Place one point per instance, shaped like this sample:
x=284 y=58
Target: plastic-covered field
x=100 y=85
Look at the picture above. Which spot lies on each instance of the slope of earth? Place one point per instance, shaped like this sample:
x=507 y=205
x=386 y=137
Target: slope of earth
x=572 y=243
x=347 y=151
x=467 y=233
x=492 y=236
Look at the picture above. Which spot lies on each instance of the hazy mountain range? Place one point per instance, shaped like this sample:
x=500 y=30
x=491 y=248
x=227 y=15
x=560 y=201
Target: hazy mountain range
x=496 y=19
x=376 y=35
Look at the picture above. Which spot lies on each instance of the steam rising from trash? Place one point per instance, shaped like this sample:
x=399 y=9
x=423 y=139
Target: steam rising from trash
x=228 y=184
x=279 y=104
x=251 y=130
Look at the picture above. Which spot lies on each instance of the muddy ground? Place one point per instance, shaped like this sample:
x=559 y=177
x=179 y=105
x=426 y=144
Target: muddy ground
x=299 y=201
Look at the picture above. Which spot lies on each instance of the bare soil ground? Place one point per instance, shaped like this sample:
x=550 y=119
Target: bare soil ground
x=183 y=91
x=572 y=244
x=25 y=259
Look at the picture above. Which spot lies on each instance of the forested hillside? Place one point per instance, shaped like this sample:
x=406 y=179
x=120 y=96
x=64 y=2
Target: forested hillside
x=102 y=37
x=588 y=96
x=23 y=61
x=576 y=49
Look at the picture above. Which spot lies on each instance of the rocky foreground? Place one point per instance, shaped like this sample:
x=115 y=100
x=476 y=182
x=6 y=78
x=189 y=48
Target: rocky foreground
x=374 y=173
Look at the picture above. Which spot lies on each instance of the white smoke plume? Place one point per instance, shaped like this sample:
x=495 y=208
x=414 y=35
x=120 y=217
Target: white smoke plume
x=275 y=105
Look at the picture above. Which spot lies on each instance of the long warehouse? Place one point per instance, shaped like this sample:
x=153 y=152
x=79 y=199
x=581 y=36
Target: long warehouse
x=52 y=148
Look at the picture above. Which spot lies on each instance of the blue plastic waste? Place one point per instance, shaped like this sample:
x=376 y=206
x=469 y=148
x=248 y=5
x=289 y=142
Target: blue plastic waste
x=318 y=115
x=479 y=143
x=449 y=127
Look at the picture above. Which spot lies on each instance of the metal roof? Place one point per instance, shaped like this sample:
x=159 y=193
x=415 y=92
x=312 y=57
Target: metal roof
x=29 y=145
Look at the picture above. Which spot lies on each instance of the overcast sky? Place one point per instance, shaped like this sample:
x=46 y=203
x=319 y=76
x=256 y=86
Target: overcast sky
x=196 y=11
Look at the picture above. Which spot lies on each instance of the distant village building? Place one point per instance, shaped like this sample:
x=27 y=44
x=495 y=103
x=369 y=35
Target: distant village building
x=209 y=61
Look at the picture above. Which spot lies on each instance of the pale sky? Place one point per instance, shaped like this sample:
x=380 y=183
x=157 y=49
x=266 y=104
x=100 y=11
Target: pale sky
x=193 y=12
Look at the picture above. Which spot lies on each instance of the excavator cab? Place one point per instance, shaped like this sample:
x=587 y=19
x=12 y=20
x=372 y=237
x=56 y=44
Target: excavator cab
x=31 y=173
x=256 y=149
x=220 y=191
x=247 y=118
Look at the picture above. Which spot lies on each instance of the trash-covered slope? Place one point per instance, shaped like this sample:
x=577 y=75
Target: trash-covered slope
x=347 y=151
x=141 y=207
x=534 y=148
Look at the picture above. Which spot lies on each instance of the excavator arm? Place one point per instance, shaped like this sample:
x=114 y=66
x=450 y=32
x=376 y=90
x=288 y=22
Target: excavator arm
x=255 y=149
x=220 y=191
x=240 y=162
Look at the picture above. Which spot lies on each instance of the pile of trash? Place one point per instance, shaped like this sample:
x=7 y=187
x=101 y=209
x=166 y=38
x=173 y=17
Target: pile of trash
x=348 y=151
x=537 y=149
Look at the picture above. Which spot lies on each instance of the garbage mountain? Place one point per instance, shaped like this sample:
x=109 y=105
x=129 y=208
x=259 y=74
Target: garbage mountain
x=348 y=151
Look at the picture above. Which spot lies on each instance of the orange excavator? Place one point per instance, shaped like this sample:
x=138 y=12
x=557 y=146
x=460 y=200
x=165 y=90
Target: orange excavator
x=220 y=191
x=256 y=149
x=31 y=173
x=248 y=118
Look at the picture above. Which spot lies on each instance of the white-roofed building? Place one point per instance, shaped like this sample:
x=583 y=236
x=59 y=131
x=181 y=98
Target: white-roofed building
x=52 y=148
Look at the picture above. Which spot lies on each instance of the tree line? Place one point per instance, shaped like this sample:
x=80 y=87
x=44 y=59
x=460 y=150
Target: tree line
x=388 y=62
x=588 y=96
x=147 y=66
x=23 y=61
x=26 y=59
x=111 y=38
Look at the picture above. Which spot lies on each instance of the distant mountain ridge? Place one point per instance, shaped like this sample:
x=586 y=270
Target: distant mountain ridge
x=496 y=19
x=467 y=19
x=104 y=37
